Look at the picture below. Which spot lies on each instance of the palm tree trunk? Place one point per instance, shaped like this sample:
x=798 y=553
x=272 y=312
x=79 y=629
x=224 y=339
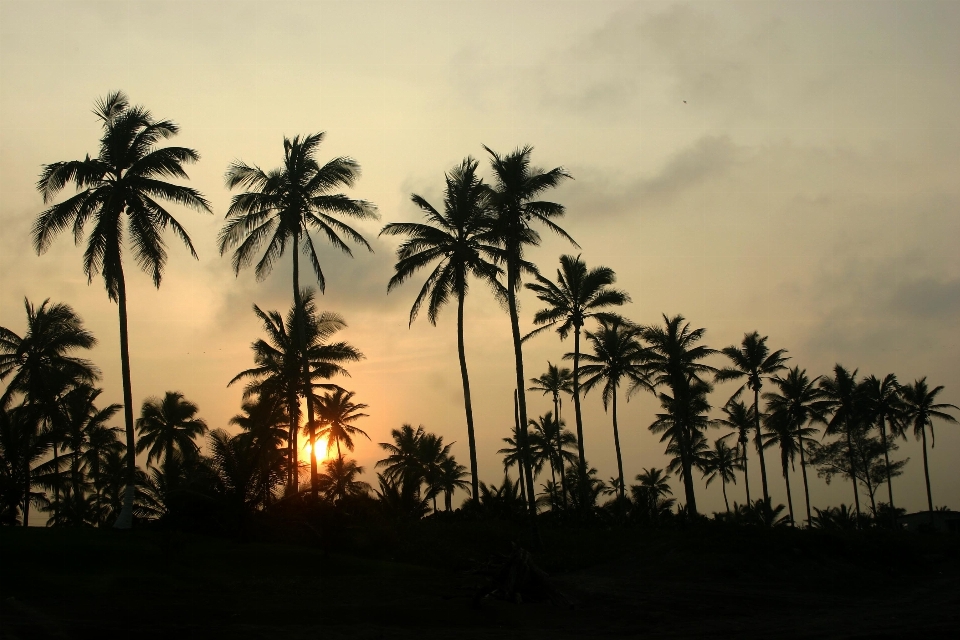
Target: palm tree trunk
x=886 y=459
x=723 y=485
x=563 y=473
x=520 y=463
x=685 y=463
x=302 y=339
x=125 y=519
x=576 y=403
x=26 y=494
x=467 y=404
x=292 y=442
x=56 y=486
x=616 y=441
x=746 y=474
x=806 y=488
x=513 y=280
x=786 y=478
x=926 y=472
x=853 y=475
x=763 y=465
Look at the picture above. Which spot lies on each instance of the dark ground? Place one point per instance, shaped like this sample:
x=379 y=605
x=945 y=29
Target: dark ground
x=707 y=581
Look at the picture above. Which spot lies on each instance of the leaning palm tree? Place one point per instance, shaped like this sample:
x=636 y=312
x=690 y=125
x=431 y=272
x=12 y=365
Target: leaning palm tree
x=721 y=462
x=843 y=399
x=884 y=406
x=920 y=410
x=754 y=361
x=168 y=424
x=617 y=357
x=516 y=185
x=797 y=402
x=126 y=178
x=280 y=207
x=458 y=241
x=578 y=295
x=337 y=411
x=740 y=418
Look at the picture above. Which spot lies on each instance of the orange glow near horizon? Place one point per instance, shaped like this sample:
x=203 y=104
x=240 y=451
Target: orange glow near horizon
x=321 y=450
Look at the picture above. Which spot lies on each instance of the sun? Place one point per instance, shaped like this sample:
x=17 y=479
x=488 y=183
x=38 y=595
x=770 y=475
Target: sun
x=321 y=450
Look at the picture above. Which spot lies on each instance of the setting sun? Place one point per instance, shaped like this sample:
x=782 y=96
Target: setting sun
x=321 y=450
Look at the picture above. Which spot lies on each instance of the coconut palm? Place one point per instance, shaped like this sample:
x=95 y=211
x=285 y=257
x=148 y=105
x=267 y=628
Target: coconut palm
x=336 y=412
x=781 y=432
x=578 y=295
x=920 y=409
x=721 y=462
x=554 y=381
x=167 y=424
x=513 y=454
x=740 y=418
x=282 y=206
x=754 y=361
x=339 y=479
x=653 y=487
x=452 y=476
x=516 y=185
x=263 y=420
x=843 y=399
x=884 y=406
x=415 y=457
x=126 y=178
x=458 y=240
x=22 y=445
x=795 y=404
x=617 y=357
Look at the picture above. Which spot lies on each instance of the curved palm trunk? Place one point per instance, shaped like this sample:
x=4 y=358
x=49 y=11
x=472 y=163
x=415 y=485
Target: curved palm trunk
x=746 y=474
x=576 y=403
x=723 y=485
x=467 y=404
x=125 y=519
x=786 y=478
x=926 y=472
x=302 y=339
x=763 y=465
x=512 y=278
x=806 y=488
x=886 y=459
x=853 y=476
x=616 y=442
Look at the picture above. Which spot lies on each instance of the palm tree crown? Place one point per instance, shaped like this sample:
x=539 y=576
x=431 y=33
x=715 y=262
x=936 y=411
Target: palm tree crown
x=336 y=412
x=169 y=424
x=920 y=410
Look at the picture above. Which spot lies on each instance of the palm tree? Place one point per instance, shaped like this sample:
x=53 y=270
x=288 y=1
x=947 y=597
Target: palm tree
x=754 y=361
x=673 y=359
x=721 y=462
x=459 y=241
x=169 y=424
x=795 y=404
x=282 y=206
x=884 y=406
x=654 y=488
x=920 y=410
x=262 y=421
x=125 y=178
x=340 y=479
x=415 y=457
x=617 y=356
x=516 y=185
x=843 y=398
x=579 y=294
x=513 y=454
x=555 y=381
x=336 y=412
x=781 y=432
x=22 y=445
x=739 y=417
x=451 y=477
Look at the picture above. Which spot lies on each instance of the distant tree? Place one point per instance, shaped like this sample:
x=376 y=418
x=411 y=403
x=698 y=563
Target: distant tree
x=555 y=381
x=22 y=446
x=415 y=459
x=340 y=479
x=451 y=476
x=550 y=442
x=513 y=454
x=126 y=178
x=740 y=418
x=843 y=400
x=884 y=406
x=920 y=410
x=166 y=425
x=721 y=462
x=337 y=412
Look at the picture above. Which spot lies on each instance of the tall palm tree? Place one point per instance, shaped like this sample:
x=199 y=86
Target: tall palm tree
x=126 y=178
x=168 y=424
x=795 y=404
x=554 y=381
x=578 y=295
x=721 y=462
x=740 y=418
x=781 y=432
x=754 y=361
x=337 y=412
x=843 y=398
x=281 y=206
x=673 y=359
x=516 y=185
x=920 y=410
x=83 y=422
x=459 y=241
x=617 y=357
x=884 y=406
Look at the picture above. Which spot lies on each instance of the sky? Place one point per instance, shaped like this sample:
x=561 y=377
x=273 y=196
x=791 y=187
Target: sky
x=784 y=167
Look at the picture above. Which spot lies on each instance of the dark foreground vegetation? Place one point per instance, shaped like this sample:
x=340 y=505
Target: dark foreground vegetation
x=293 y=578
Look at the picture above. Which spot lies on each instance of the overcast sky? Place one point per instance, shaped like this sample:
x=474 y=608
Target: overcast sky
x=785 y=167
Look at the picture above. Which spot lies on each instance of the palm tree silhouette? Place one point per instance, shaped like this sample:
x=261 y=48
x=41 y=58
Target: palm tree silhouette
x=168 y=424
x=617 y=356
x=513 y=454
x=125 y=178
x=721 y=462
x=920 y=410
x=22 y=445
x=460 y=242
x=516 y=184
x=781 y=432
x=336 y=412
x=739 y=417
x=673 y=359
x=793 y=406
x=843 y=398
x=652 y=491
x=450 y=477
x=554 y=381
x=339 y=479
x=415 y=457
x=282 y=206
x=263 y=421
x=754 y=361
x=550 y=442
x=579 y=294
x=884 y=406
